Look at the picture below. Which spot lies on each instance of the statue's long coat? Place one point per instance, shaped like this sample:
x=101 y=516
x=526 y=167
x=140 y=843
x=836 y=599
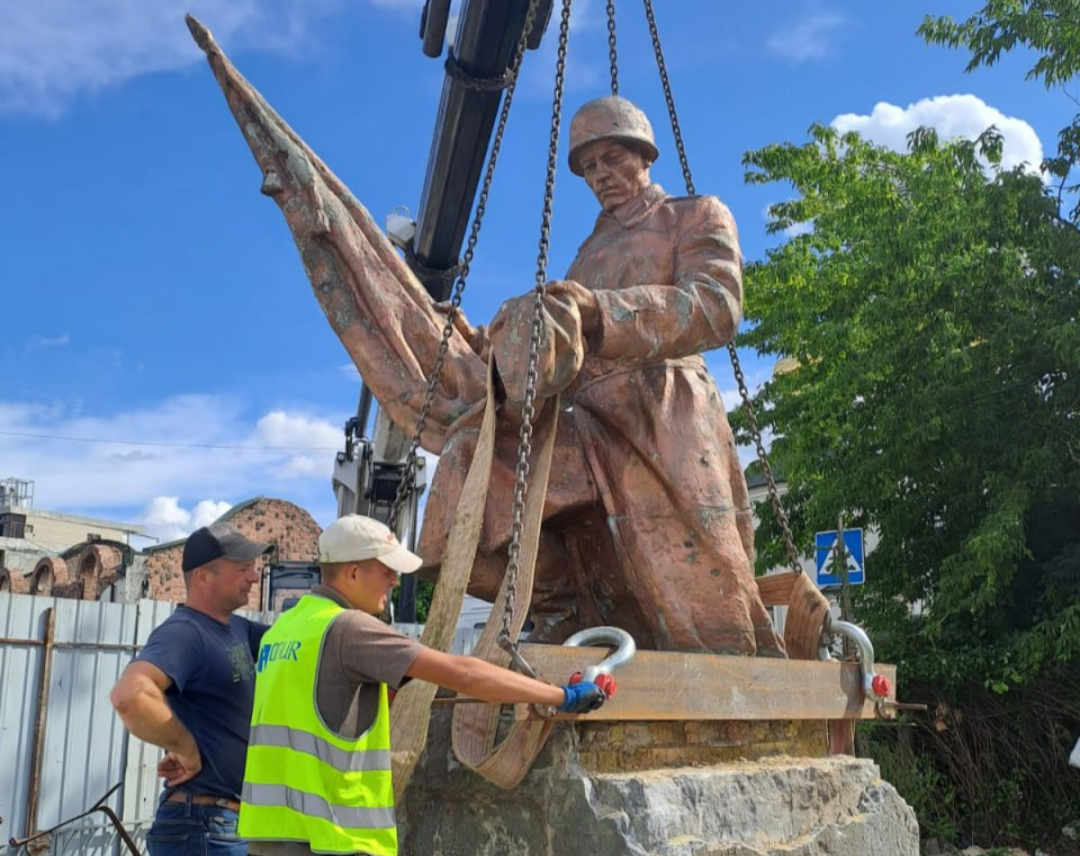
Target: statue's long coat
x=648 y=520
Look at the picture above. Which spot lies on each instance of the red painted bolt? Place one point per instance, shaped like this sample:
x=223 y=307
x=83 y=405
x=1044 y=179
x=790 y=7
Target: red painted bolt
x=881 y=686
x=607 y=684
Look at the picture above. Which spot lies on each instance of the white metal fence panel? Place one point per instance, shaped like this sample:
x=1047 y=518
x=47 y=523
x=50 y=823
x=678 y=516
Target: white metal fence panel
x=22 y=627
x=64 y=757
x=465 y=638
x=62 y=747
x=142 y=787
x=84 y=739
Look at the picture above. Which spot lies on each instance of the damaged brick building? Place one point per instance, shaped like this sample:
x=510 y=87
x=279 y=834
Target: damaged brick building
x=104 y=566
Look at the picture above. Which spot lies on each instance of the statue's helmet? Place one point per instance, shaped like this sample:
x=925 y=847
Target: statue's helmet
x=610 y=118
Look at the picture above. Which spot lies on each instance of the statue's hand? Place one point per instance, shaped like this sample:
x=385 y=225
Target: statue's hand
x=477 y=337
x=559 y=354
x=585 y=298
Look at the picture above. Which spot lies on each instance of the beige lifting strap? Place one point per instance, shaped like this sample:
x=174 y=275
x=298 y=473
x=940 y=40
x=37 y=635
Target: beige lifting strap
x=474 y=724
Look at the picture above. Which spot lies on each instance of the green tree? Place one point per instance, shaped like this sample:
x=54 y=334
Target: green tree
x=932 y=309
x=425 y=590
x=1048 y=28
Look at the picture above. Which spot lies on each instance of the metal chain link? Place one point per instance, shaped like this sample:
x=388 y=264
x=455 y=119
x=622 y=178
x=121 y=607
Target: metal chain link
x=407 y=483
x=528 y=410
x=675 y=128
x=748 y=408
x=774 y=494
x=613 y=53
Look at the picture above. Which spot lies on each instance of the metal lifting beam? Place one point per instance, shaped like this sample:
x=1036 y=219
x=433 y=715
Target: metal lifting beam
x=676 y=685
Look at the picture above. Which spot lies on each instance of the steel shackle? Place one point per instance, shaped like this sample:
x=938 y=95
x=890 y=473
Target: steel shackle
x=875 y=687
x=625 y=649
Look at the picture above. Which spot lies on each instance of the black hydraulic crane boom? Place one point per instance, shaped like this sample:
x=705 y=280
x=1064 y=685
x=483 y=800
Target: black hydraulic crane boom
x=476 y=66
x=487 y=33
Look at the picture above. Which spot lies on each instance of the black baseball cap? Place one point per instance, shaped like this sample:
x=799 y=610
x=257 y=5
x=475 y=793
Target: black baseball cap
x=220 y=541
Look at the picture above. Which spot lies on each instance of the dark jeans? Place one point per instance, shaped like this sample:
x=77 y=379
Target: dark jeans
x=183 y=829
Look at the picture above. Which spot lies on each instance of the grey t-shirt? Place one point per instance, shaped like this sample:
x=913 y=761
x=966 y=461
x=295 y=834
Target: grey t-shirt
x=359 y=653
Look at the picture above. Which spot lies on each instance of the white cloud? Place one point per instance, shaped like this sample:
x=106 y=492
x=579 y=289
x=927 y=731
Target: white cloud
x=747 y=452
x=304 y=466
x=166 y=520
x=286 y=430
x=965 y=116
x=207 y=511
x=808 y=38
x=48 y=341
x=185 y=449
x=452 y=21
x=52 y=51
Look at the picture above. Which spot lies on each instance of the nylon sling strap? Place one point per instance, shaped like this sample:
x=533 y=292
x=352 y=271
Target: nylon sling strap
x=474 y=725
x=473 y=733
x=411 y=711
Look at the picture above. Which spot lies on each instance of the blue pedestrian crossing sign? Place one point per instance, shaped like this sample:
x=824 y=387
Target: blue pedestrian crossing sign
x=825 y=550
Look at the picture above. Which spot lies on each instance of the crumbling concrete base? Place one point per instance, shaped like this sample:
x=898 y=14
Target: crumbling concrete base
x=566 y=806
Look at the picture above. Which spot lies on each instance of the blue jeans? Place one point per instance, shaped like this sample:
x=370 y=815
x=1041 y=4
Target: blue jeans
x=183 y=829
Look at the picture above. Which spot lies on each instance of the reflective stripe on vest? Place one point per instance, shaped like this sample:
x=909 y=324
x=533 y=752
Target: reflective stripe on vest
x=302 y=781
x=309 y=744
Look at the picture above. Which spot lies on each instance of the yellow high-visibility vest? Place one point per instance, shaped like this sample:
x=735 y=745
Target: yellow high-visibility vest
x=302 y=781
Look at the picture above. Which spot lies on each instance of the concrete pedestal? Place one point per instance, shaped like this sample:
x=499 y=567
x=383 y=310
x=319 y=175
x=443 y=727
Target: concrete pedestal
x=660 y=789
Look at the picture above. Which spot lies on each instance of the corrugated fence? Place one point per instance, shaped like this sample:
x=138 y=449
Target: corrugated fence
x=62 y=747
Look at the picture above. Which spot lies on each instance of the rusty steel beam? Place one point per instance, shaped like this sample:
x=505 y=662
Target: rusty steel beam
x=39 y=728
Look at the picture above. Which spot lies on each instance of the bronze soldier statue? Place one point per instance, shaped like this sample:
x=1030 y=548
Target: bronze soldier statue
x=647 y=523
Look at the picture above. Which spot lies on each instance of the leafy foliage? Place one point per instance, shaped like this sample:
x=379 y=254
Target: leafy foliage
x=931 y=309
x=425 y=590
x=933 y=313
x=990 y=769
x=1051 y=29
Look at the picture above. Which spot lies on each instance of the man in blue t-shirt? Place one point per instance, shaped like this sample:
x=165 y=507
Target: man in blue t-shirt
x=190 y=692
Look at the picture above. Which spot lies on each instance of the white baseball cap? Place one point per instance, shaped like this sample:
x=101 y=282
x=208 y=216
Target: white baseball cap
x=354 y=538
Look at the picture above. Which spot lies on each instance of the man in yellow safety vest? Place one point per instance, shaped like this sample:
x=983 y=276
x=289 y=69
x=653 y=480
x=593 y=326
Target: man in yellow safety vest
x=318 y=777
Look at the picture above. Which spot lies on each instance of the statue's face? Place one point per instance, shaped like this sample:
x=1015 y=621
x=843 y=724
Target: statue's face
x=614 y=172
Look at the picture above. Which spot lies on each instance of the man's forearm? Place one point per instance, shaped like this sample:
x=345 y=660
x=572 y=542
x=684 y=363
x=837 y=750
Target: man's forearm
x=150 y=718
x=477 y=678
x=496 y=684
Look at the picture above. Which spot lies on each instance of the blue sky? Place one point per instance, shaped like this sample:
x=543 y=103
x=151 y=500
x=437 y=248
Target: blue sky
x=151 y=295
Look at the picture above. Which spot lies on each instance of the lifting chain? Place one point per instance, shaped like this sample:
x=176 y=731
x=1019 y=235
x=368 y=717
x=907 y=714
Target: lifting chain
x=613 y=53
x=676 y=129
x=408 y=478
x=763 y=459
x=528 y=411
x=748 y=408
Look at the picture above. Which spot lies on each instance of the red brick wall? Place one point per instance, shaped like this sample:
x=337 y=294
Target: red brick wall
x=13 y=581
x=165 y=580
x=91 y=570
x=49 y=575
x=288 y=527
